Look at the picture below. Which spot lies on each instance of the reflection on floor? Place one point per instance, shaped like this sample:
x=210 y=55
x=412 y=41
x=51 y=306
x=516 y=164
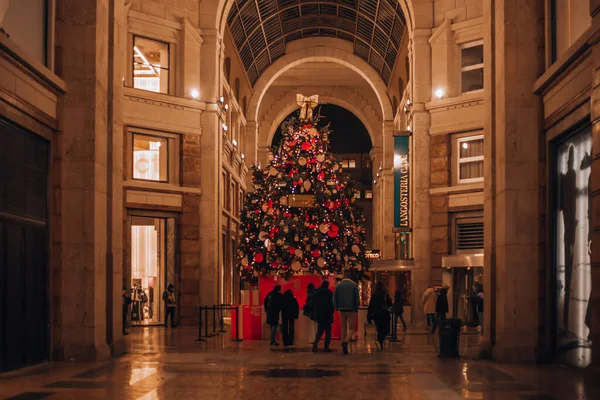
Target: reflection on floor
x=170 y=364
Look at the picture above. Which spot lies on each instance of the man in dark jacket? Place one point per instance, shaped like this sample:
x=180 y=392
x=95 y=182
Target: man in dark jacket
x=289 y=314
x=441 y=308
x=323 y=314
x=273 y=308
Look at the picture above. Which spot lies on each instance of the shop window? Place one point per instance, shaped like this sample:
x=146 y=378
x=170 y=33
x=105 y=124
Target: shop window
x=348 y=163
x=471 y=67
x=227 y=69
x=470 y=159
x=150 y=157
x=151 y=65
x=26 y=23
x=368 y=194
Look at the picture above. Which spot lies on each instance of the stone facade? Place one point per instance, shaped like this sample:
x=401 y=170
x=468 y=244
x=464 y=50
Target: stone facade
x=84 y=102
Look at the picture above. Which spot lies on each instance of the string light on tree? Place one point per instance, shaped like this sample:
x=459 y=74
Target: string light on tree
x=301 y=217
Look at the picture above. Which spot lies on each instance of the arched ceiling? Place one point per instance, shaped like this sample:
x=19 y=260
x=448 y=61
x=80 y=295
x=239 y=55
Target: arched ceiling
x=262 y=28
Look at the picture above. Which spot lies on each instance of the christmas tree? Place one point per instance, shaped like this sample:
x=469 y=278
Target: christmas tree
x=300 y=218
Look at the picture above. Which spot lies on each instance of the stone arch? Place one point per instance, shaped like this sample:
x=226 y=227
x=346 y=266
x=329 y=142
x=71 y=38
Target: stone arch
x=320 y=49
x=349 y=99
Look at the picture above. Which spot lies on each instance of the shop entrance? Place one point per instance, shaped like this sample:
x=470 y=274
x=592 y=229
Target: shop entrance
x=464 y=278
x=152 y=266
x=24 y=321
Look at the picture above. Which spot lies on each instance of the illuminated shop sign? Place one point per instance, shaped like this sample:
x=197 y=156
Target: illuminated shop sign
x=573 y=237
x=401 y=182
x=373 y=254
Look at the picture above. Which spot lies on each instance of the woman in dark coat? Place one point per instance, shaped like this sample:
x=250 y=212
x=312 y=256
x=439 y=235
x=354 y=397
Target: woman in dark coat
x=289 y=314
x=441 y=308
x=273 y=308
x=323 y=310
x=379 y=311
x=399 y=300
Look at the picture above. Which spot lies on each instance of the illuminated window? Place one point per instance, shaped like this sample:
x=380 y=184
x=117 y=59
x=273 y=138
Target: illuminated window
x=150 y=157
x=150 y=65
x=471 y=67
x=470 y=159
x=368 y=194
x=368 y=163
x=357 y=194
x=348 y=163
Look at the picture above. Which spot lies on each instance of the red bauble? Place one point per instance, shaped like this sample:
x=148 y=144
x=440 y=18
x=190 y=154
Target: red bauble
x=321 y=176
x=292 y=143
x=334 y=228
x=274 y=265
x=332 y=234
x=292 y=250
x=316 y=253
x=259 y=257
x=305 y=146
x=270 y=203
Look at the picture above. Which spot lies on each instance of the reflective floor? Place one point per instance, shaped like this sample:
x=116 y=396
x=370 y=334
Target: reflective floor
x=170 y=364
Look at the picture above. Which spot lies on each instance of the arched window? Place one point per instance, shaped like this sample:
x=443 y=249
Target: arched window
x=236 y=89
x=244 y=105
x=227 y=69
x=394 y=104
x=400 y=87
x=407 y=68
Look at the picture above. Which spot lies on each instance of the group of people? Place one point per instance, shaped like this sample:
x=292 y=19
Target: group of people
x=168 y=298
x=321 y=304
x=435 y=305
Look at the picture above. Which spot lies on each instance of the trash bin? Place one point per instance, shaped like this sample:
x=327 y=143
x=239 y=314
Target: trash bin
x=449 y=337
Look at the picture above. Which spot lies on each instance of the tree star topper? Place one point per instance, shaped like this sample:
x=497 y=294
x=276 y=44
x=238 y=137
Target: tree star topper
x=307 y=104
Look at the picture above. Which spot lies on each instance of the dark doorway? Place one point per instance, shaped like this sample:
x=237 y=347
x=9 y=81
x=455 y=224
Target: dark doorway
x=23 y=248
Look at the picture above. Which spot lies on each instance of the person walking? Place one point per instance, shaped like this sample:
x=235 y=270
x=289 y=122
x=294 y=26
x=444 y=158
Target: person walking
x=323 y=315
x=308 y=311
x=273 y=303
x=441 y=307
x=399 y=300
x=289 y=315
x=347 y=300
x=428 y=301
x=170 y=304
x=126 y=303
x=379 y=312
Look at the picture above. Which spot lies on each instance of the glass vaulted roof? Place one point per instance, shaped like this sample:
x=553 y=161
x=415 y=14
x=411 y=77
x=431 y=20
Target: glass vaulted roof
x=262 y=28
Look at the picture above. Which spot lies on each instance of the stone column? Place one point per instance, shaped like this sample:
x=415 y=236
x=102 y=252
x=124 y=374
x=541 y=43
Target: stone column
x=386 y=190
x=210 y=154
x=511 y=278
x=378 y=199
x=190 y=59
x=421 y=204
x=82 y=61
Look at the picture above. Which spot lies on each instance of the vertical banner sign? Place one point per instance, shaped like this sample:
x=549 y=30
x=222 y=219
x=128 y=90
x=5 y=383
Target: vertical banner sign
x=401 y=183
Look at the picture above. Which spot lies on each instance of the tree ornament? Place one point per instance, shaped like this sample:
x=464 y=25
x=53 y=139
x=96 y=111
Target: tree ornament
x=296 y=266
x=320 y=158
x=321 y=262
x=259 y=257
x=302 y=161
x=306 y=146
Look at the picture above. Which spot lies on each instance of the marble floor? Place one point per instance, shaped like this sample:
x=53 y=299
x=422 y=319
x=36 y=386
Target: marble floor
x=170 y=364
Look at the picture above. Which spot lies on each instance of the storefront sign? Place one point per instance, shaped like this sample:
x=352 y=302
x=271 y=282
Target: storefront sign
x=372 y=254
x=401 y=182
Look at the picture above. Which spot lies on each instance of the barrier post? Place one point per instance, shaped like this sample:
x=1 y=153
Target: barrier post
x=214 y=310
x=237 y=325
x=221 y=323
x=206 y=321
x=200 y=325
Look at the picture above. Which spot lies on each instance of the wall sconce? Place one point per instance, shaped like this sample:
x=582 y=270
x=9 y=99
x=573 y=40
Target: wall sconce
x=440 y=93
x=234 y=142
x=409 y=128
x=374 y=181
x=243 y=156
x=195 y=93
x=224 y=126
x=221 y=99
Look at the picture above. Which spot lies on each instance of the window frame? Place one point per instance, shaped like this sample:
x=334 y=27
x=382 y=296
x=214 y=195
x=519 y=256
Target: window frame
x=468 y=45
x=172 y=154
x=459 y=141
